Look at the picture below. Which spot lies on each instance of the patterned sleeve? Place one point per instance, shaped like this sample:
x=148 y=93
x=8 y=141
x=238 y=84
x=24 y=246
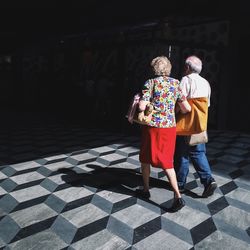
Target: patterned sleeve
x=147 y=91
x=180 y=96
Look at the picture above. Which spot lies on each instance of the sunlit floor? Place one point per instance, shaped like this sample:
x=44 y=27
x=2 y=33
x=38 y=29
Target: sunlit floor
x=72 y=188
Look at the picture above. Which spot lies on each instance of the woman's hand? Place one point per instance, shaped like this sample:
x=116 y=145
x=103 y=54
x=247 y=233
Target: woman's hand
x=184 y=107
x=142 y=105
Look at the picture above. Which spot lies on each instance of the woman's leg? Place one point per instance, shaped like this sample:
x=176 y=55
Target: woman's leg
x=170 y=172
x=178 y=201
x=145 y=168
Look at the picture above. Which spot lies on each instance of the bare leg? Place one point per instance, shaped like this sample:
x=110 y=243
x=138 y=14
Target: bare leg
x=145 y=168
x=173 y=181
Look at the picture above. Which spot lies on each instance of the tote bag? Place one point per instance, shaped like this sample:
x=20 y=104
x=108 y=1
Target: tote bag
x=193 y=122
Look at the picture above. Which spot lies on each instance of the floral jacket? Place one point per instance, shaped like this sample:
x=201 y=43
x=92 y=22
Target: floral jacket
x=163 y=93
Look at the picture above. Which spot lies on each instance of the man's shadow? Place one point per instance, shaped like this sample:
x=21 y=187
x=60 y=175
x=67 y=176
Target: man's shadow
x=120 y=180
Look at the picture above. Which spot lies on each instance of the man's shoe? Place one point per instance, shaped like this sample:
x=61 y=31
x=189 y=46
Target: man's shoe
x=142 y=194
x=181 y=189
x=178 y=204
x=209 y=189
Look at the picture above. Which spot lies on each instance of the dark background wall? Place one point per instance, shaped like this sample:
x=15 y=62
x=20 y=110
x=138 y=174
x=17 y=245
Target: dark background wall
x=84 y=65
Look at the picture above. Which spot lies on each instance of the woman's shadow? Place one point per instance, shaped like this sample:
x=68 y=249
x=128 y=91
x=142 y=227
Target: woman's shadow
x=109 y=178
x=120 y=180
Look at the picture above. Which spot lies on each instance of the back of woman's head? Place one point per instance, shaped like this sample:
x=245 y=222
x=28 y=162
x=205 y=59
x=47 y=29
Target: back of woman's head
x=161 y=66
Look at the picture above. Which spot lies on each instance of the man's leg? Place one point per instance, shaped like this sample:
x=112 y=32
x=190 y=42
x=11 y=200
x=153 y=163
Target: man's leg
x=181 y=161
x=201 y=165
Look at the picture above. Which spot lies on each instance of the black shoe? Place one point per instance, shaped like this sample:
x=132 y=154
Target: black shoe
x=209 y=189
x=178 y=204
x=182 y=189
x=142 y=194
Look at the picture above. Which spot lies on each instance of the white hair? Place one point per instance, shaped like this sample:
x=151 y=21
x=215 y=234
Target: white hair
x=194 y=64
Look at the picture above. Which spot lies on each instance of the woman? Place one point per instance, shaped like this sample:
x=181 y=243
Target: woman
x=158 y=138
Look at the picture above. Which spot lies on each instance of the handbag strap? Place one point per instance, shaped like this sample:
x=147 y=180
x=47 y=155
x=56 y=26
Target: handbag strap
x=152 y=88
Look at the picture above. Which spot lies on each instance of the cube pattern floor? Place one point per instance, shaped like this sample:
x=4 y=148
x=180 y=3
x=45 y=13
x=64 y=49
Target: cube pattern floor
x=73 y=188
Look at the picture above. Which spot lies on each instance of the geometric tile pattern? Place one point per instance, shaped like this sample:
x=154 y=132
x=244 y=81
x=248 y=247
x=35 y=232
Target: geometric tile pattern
x=74 y=189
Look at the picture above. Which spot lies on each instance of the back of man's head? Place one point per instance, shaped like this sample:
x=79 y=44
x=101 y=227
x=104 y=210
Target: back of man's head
x=194 y=63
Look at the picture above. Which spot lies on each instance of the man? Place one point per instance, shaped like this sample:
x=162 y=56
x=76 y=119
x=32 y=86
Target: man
x=193 y=86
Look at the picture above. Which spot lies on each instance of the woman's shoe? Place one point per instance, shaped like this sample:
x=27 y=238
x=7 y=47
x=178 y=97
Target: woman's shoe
x=178 y=204
x=142 y=194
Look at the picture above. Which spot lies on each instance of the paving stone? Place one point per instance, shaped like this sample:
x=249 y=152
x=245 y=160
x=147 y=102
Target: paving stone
x=236 y=203
x=74 y=195
x=84 y=215
x=240 y=194
x=234 y=216
x=203 y=230
x=231 y=230
x=80 y=222
x=217 y=205
x=8 y=203
x=111 y=201
x=134 y=160
x=162 y=240
x=8 y=185
x=101 y=240
x=55 y=158
x=26 y=165
x=43 y=241
x=220 y=240
x=8 y=229
x=58 y=165
x=9 y=171
x=128 y=151
x=32 y=220
x=127 y=223
x=2 y=244
x=111 y=159
x=2 y=191
x=101 y=151
x=3 y=176
x=188 y=217
x=29 y=193
x=64 y=229
x=26 y=178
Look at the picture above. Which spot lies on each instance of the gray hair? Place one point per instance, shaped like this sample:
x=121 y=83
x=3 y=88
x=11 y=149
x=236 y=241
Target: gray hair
x=161 y=66
x=194 y=64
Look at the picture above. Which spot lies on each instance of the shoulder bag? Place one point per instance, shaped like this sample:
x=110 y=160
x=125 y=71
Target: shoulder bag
x=137 y=116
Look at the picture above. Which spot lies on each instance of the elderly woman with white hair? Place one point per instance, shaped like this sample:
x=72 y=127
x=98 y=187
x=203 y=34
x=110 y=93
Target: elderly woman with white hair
x=193 y=86
x=159 y=136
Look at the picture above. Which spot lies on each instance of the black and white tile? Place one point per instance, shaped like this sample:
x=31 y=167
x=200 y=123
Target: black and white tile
x=74 y=189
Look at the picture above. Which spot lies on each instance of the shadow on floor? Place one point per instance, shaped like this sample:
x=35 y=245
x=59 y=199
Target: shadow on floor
x=121 y=180
x=109 y=178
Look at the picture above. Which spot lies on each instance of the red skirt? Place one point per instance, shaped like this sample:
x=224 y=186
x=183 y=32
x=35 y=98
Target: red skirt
x=157 y=146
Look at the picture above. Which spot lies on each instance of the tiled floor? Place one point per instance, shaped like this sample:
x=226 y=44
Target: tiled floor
x=70 y=188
